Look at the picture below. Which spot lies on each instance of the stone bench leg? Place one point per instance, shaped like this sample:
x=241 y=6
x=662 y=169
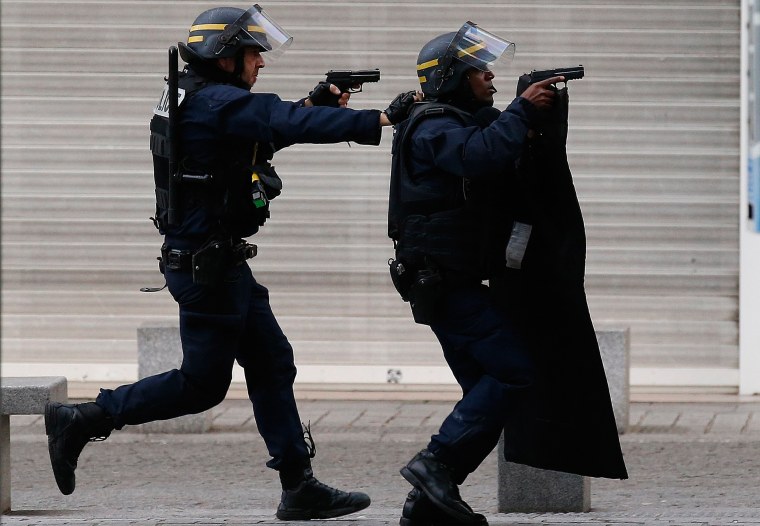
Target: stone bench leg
x=5 y=463
x=524 y=489
x=159 y=349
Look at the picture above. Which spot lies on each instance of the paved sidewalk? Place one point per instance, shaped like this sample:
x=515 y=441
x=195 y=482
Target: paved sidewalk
x=690 y=464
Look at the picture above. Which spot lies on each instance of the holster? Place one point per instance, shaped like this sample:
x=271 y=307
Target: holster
x=210 y=263
x=425 y=294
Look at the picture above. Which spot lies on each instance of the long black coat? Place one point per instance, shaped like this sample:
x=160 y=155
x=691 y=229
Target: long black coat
x=570 y=424
x=573 y=428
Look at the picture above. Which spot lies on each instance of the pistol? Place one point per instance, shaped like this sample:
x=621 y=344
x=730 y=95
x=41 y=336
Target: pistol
x=571 y=73
x=350 y=81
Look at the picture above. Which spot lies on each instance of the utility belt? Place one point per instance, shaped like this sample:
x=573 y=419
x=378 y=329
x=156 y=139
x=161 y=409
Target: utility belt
x=210 y=262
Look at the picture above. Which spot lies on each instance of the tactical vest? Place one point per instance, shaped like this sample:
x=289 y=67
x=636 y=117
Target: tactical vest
x=432 y=226
x=236 y=193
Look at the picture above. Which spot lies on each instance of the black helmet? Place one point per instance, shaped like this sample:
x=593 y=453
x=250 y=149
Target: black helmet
x=223 y=31
x=443 y=61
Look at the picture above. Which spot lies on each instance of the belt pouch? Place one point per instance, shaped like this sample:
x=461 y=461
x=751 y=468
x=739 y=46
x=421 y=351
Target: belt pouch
x=210 y=263
x=425 y=296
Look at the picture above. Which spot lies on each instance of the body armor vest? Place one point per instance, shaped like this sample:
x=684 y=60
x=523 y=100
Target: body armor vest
x=431 y=225
x=236 y=193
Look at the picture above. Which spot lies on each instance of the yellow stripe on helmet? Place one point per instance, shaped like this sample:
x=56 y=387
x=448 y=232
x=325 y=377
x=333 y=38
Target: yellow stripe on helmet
x=221 y=27
x=423 y=79
x=428 y=64
x=191 y=40
x=208 y=27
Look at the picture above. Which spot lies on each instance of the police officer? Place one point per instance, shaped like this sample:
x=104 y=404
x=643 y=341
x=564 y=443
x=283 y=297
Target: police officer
x=227 y=136
x=466 y=208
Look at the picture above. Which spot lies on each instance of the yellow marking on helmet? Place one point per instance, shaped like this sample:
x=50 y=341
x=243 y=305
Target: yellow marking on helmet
x=423 y=79
x=428 y=64
x=208 y=27
x=471 y=50
x=257 y=29
x=191 y=40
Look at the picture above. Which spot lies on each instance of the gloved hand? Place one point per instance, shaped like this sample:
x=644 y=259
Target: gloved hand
x=399 y=108
x=322 y=96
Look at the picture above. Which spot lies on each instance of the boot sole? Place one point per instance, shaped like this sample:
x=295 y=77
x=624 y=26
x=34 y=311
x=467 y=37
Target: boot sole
x=305 y=515
x=442 y=505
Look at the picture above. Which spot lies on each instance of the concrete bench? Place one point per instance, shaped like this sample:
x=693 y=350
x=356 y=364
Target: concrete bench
x=159 y=350
x=524 y=489
x=22 y=396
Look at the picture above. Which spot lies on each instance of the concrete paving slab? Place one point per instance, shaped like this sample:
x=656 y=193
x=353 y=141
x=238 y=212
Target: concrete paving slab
x=679 y=475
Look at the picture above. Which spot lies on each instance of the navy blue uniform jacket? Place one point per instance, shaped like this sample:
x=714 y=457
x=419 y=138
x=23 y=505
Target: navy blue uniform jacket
x=221 y=124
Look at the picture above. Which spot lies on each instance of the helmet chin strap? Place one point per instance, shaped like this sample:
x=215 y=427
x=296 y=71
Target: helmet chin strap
x=239 y=65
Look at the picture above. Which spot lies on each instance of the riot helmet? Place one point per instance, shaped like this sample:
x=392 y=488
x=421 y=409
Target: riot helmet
x=443 y=61
x=224 y=31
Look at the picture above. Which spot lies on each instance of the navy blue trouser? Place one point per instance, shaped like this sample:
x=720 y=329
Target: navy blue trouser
x=491 y=361
x=218 y=325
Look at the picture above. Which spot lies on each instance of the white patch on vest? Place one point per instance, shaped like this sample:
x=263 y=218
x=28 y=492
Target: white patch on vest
x=518 y=243
x=162 y=108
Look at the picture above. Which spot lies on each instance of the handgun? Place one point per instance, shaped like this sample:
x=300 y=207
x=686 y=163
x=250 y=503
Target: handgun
x=350 y=81
x=571 y=73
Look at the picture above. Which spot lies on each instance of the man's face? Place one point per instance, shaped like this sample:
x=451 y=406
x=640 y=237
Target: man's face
x=252 y=62
x=481 y=85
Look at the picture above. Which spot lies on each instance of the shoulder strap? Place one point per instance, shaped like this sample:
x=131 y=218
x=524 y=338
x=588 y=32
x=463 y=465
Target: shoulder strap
x=425 y=110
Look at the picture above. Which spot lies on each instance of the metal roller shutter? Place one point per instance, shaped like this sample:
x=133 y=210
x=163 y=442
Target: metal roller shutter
x=654 y=148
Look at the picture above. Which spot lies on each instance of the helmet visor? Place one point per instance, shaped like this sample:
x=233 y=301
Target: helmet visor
x=255 y=28
x=479 y=48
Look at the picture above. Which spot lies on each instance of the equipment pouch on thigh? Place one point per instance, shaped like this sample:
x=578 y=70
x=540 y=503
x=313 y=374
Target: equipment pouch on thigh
x=210 y=263
x=425 y=295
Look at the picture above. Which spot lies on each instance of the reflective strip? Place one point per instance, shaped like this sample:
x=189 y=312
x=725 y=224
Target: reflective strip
x=208 y=27
x=428 y=64
x=423 y=79
x=199 y=38
x=518 y=243
x=220 y=27
x=471 y=50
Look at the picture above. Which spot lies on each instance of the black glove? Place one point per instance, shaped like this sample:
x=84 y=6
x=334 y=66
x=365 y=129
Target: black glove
x=399 y=108
x=322 y=96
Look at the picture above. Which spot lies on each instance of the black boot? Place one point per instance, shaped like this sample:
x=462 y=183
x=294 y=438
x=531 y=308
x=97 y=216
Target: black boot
x=69 y=428
x=434 y=478
x=311 y=499
x=420 y=511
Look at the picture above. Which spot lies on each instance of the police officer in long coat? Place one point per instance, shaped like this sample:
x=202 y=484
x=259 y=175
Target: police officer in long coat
x=490 y=254
x=227 y=136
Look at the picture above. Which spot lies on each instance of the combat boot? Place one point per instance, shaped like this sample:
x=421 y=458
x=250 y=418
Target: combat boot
x=69 y=427
x=435 y=479
x=420 y=511
x=311 y=499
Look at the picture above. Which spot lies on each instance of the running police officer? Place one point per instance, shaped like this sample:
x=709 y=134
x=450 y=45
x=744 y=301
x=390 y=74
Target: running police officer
x=480 y=195
x=227 y=136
